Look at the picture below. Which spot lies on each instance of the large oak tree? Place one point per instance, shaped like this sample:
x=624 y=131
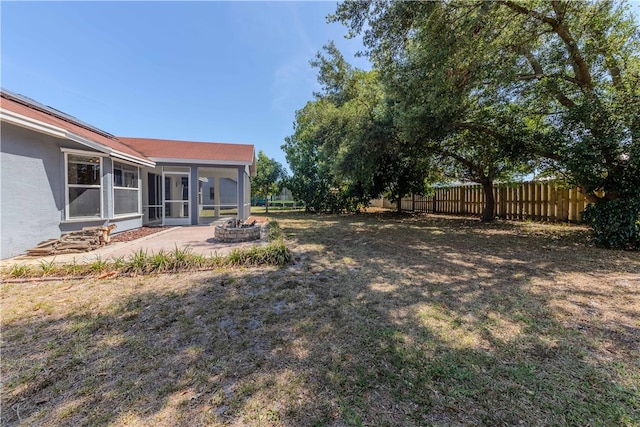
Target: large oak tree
x=563 y=77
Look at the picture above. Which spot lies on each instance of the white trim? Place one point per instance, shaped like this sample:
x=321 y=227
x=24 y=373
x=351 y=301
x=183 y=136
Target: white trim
x=67 y=218
x=132 y=159
x=87 y=142
x=29 y=123
x=58 y=132
x=82 y=152
x=201 y=161
x=126 y=162
x=114 y=188
x=179 y=220
x=111 y=151
x=127 y=216
x=84 y=219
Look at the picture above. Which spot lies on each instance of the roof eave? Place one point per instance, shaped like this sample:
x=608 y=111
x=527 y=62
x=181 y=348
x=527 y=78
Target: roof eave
x=45 y=128
x=130 y=158
x=201 y=161
x=29 y=123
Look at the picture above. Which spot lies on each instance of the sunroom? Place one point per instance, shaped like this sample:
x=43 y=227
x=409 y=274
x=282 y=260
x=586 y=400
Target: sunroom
x=194 y=182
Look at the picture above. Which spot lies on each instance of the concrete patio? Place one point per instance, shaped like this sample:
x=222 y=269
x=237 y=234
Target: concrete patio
x=198 y=238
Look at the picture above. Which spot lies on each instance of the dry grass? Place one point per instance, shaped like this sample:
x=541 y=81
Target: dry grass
x=383 y=320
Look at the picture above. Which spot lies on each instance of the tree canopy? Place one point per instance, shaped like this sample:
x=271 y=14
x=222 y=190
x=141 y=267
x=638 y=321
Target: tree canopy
x=350 y=134
x=269 y=177
x=484 y=91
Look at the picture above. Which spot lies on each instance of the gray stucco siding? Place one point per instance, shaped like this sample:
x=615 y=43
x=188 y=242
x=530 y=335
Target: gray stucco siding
x=122 y=224
x=228 y=191
x=32 y=189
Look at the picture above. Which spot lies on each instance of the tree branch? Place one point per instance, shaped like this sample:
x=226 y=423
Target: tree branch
x=580 y=66
x=540 y=76
x=475 y=171
x=530 y=12
x=538 y=71
x=477 y=128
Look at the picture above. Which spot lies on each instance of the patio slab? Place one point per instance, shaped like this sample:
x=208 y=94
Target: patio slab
x=198 y=238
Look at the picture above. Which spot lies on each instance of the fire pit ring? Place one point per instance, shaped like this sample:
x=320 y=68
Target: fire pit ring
x=235 y=231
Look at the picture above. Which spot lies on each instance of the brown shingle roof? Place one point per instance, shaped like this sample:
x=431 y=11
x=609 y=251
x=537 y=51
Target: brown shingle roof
x=35 y=111
x=144 y=149
x=190 y=150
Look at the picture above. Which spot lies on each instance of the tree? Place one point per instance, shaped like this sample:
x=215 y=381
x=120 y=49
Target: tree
x=348 y=137
x=471 y=137
x=565 y=74
x=269 y=175
x=465 y=130
x=312 y=181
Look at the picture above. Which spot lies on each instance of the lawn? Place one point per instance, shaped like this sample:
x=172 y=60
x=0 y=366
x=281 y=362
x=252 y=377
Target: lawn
x=383 y=320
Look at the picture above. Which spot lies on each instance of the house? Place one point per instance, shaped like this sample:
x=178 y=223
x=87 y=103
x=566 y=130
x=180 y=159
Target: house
x=59 y=174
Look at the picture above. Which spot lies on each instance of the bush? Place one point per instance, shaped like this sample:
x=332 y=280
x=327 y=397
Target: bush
x=614 y=224
x=275 y=254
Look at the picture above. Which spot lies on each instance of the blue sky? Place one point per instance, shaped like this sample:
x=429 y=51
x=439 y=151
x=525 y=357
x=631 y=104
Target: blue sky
x=204 y=71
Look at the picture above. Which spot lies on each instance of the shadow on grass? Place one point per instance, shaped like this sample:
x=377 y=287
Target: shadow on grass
x=384 y=320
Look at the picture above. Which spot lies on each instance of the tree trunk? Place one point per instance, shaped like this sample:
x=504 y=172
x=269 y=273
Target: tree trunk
x=399 y=205
x=489 y=201
x=266 y=204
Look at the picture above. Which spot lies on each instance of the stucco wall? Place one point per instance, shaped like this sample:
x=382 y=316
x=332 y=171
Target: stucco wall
x=31 y=189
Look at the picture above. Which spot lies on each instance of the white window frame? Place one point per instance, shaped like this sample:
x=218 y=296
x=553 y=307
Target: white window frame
x=67 y=186
x=114 y=188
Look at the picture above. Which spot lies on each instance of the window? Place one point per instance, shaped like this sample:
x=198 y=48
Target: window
x=84 y=188
x=126 y=193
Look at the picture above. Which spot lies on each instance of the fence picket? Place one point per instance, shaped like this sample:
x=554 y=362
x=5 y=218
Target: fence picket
x=540 y=201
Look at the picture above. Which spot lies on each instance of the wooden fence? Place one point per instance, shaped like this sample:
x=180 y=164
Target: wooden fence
x=538 y=201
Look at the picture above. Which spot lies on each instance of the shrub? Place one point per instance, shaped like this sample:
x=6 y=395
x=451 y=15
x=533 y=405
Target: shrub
x=19 y=271
x=276 y=253
x=614 y=224
x=138 y=262
x=273 y=231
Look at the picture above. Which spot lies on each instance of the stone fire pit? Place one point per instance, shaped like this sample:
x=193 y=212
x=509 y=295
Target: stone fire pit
x=237 y=231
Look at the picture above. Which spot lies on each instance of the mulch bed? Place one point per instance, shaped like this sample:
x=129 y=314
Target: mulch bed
x=127 y=236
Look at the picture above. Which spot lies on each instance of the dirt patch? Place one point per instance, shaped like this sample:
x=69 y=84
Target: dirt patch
x=138 y=233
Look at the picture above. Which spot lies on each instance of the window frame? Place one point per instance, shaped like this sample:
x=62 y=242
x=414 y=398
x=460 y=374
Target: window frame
x=67 y=186
x=131 y=189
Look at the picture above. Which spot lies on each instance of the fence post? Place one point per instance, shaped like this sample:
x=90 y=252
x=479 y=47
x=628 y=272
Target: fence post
x=582 y=204
x=433 y=201
x=573 y=207
x=545 y=202
x=565 y=205
x=553 y=197
x=502 y=212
